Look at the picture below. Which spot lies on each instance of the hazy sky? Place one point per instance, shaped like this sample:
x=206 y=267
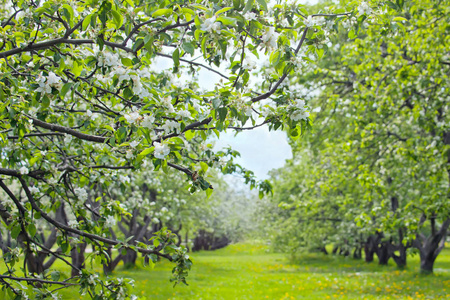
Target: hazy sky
x=261 y=150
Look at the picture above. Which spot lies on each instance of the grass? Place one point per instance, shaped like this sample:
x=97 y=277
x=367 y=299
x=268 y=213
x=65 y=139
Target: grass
x=243 y=271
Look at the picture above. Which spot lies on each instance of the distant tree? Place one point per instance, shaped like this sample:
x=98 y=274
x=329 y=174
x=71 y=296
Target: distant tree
x=381 y=130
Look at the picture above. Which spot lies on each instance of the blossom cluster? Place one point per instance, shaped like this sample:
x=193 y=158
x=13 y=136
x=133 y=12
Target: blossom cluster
x=269 y=39
x=299 y=110
x=47 y=82
x=210 y=25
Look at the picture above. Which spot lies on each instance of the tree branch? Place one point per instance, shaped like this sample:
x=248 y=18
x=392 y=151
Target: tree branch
x=277 y=84
x=59 y=128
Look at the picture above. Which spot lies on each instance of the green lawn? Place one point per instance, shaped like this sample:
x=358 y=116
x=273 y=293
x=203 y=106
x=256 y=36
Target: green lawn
x=248 y=272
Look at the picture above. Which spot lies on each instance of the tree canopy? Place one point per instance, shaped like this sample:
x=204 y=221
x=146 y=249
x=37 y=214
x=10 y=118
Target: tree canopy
x=97 y=94
x=378 y=160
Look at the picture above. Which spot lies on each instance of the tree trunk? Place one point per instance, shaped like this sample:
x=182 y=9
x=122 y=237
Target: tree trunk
x=430 y=247
x=383 y=254
x=323 y=250
x=400 y=259
x=357 y=253
x=335 y=249
x=78 y=257
x=129 y=259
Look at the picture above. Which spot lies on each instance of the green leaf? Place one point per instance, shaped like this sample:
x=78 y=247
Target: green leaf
x=118 y=19
x=399 y=19
x=176 y=57
x=221 y=11
x=351 y=34
x=55 y=275
x=31 y=228
x=204 y=46
x=189 y=135
x=188 y=13
x=248 y=6
x=204 y=166
x=16 y=231
x=236 y=4
x=77 y=68
x=263 y=4
x=69 y=9
x=162 y=12
x=126 y=61
x=320 y=52
x=222 y=113
x=209 y=193
x=66 y=87
x=199 y=7
x=226 y=20
x=189 y=48
x=203 y=183
x=86 y=22
x=147 y=151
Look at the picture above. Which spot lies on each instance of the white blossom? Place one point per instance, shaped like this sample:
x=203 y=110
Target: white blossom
x=91 y=115
x=210 y=25
x=73 y=223
x=222 y=161
x=270 y=38
x=23 y=170
x=167 y=102
x=124 y=179
x=148 y=122
x=184 y=114
x=52 y=79
x=299 y=115
x=249 y=64
x=170 y=126
x=248 y=111
x=155 y=220
x=320 y=21
x=67 y=139
x=34 y=190
x=364 y=9
x=300 y=104
x=46 y=83
x=81 y=193
x=132 y=117
x=129 y=154
x=349 y=22
x=309 y=21
x=133 y=144
x=161 y=150
x=110 y=221
x=92 y=278
x=250 y=16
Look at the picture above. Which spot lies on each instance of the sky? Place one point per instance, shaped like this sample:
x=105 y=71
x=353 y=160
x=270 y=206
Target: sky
x=261 y=150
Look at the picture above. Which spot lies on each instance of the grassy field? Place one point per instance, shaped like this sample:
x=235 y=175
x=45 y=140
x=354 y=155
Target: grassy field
x=248 y=272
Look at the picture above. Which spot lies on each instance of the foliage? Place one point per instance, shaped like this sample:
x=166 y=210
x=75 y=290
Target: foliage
x=84 y=101
x=378 y=157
